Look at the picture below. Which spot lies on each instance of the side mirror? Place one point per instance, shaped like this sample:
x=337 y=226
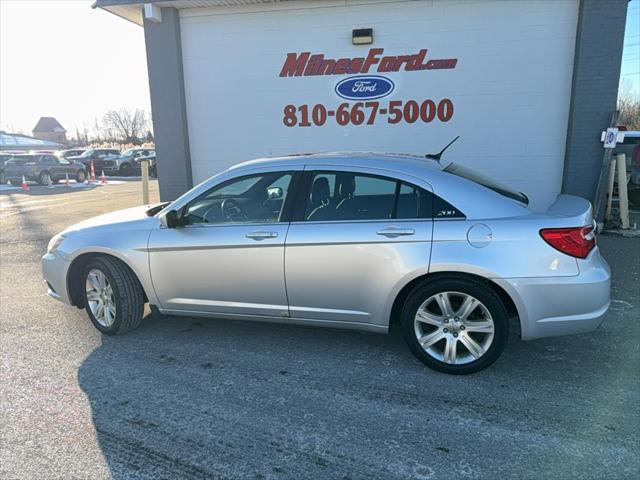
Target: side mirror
x=274 y=193
x=171 y=219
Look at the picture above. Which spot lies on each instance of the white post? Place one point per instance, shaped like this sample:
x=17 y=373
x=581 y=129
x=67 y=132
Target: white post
x=623 y=198
x=612 y=178
x=144 y=165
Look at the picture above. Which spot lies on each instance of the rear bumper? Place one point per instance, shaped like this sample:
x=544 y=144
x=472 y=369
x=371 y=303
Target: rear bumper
x=54 y=271
x=563 y=305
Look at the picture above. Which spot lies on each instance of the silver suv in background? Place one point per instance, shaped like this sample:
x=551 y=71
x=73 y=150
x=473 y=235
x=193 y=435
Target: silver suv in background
x=359 y=241
x=45 y=169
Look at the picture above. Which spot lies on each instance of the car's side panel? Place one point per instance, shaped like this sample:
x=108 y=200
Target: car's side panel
x=344 y=271
x=220 y=269
x=126 y=241
x=505 y=248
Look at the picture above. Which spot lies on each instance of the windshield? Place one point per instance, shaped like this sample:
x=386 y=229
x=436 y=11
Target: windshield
x=128 y=153
x=476 y=177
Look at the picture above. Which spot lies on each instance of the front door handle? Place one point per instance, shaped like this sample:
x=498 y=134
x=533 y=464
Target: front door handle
x=260 y=235
x=393 y=232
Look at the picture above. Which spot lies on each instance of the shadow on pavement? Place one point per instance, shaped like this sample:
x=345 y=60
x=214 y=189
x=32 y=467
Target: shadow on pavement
x=195 y=398
x=40 y=190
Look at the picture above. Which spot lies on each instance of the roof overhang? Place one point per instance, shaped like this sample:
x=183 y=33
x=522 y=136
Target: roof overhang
x=132 y=10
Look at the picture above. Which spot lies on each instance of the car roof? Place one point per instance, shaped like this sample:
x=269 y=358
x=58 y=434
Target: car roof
x=399 y=162
x=472 y=198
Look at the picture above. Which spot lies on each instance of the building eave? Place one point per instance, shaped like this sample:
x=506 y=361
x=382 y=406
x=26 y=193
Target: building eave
x=131 y=10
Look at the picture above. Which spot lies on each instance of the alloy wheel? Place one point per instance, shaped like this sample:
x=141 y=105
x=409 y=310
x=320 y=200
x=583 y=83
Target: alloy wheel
x=100 y=297
x=453 y=327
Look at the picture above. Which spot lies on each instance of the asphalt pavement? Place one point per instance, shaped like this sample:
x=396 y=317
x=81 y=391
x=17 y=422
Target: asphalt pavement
x=186 y=398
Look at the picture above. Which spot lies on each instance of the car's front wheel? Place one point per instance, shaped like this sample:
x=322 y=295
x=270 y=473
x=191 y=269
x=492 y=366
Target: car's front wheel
x=455 y=325
x=114 y=299
x=81 y=176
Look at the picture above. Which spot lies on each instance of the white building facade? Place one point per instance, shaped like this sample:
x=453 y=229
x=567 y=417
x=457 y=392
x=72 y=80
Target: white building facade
x=513 y=79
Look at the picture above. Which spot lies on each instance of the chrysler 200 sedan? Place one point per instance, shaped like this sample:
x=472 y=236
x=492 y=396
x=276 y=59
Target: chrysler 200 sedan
x=360 y=241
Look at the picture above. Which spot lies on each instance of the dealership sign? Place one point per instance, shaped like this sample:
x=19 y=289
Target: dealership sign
x=364 y=87
x=305 y=64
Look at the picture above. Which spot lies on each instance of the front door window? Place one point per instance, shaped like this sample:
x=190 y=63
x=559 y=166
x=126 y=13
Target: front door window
x=248 y=199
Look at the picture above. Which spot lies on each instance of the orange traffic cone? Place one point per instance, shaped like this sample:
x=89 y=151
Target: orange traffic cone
x=24 y=185
x=103 y=178
x=92 y=172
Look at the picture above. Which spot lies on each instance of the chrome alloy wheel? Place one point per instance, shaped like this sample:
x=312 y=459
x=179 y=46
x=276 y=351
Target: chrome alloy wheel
x=454 y=328
x=100 y=297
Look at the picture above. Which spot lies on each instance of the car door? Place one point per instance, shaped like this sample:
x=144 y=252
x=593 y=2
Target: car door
x=228 y=258
x=50 y=164
x=357 y=235
x=65 y=167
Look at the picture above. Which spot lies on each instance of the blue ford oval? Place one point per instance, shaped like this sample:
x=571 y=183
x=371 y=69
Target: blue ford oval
x=364 y=87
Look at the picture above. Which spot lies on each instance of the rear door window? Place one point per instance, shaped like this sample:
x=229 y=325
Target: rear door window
x=344 y=196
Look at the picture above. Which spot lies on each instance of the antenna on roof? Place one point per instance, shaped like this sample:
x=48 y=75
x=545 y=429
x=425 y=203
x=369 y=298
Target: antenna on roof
x=438 y=156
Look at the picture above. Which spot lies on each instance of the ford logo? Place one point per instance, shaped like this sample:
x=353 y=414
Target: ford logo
x=365 y=87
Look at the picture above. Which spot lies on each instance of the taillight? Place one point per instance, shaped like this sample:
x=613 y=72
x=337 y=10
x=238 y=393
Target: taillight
x=575 y=241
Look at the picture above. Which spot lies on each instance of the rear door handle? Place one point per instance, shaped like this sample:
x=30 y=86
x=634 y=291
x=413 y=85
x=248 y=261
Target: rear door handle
x=392 y=232
x=260 y=235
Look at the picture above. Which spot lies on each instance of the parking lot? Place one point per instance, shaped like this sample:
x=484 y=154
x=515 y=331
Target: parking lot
x=195 y=398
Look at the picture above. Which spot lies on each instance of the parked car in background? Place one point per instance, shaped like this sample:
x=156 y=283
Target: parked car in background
x=153 y=166
x=3 y=158
x=127 y=163
x=43 y=169
x=359 y=241
x=72 y=152
x=98 y=155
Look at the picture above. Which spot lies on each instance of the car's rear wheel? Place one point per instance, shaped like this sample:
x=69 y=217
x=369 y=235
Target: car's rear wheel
x=455 y=325
x=114 y=299
x=81 y=176
x=44 y=178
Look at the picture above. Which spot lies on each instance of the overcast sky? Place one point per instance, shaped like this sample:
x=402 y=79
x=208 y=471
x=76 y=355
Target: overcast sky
x=61 y=58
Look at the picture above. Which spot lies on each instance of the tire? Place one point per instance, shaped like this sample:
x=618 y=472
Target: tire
x=439 y=331
x=81 y=176
x=126 y=170
x=127 y=296
x=44 y=178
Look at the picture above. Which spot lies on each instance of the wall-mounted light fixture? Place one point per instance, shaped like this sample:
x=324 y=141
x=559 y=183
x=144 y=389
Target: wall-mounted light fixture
x=152 y=12
x=362 y=36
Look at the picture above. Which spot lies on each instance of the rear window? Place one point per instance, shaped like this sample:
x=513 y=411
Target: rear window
x=476 y=177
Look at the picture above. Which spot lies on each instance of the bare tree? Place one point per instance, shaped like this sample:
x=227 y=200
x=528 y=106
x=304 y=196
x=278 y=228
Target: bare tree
x=629 y=107
x=128 y=126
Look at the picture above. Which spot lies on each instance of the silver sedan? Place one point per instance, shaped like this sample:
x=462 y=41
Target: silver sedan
x=359 y=241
